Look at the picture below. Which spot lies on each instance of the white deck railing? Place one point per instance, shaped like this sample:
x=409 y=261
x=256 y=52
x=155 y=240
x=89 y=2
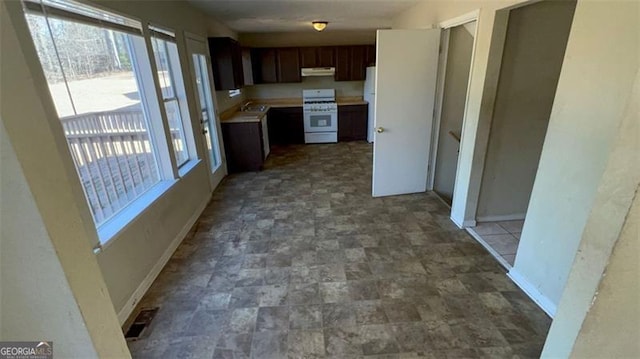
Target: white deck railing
x=113 y=156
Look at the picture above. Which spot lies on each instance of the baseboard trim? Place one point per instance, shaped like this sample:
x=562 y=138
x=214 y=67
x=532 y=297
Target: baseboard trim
x=541 y=300
x=144 y=286
x=463 y=224
x=469 y=223
x=506 y=217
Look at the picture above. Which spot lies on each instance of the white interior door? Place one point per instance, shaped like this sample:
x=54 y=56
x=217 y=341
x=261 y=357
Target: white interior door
x=407 y=66
x=202 y=80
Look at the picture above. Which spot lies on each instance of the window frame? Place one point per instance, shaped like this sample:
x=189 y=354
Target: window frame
x=165 y=36
x=145 y=72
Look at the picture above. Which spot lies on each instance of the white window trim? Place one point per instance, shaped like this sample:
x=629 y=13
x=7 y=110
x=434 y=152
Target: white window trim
x=234 y=93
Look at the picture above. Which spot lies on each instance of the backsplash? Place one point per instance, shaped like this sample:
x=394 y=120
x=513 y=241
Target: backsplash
x=294 y=90
x=225 y=102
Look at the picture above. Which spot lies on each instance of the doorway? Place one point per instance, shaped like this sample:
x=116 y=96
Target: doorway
x=209 y=124
x=454 y=72
x=532 y=56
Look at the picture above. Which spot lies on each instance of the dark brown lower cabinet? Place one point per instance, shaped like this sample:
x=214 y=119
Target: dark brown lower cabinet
x=352 y=122
x=285 y=126
x=243 y=146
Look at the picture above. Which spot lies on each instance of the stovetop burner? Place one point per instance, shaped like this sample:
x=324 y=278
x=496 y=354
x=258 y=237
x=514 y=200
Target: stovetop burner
x=315 y=102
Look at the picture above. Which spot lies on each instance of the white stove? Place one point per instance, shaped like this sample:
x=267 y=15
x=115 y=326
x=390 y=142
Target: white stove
x=320 y=111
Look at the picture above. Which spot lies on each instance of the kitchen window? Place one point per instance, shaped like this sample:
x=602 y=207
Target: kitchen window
x=97 y=67
x=167 y=61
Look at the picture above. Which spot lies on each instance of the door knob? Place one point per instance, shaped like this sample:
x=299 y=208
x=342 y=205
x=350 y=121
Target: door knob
x=379 y=130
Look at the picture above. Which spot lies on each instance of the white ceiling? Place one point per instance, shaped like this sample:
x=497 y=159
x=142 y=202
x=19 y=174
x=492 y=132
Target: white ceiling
x=296 y=15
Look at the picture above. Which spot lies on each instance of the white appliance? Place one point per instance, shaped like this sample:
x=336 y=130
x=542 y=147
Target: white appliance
x=370 y=97
x=318 y=71
x=320 y=111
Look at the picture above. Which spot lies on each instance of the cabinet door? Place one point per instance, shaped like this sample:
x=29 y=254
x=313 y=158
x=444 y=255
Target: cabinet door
x=294 y=125
x=308 y=57
x=357 y=63
x=275 y=126
x=285 y=126
x=371 y=55
x=343 y=63
x=288 y=65
x=325 y=56
x=359 y=122
x=344 y=124
x=238 y=71
x=352 y=122
x=266 y=70
x=226 y=63
x=243 y=146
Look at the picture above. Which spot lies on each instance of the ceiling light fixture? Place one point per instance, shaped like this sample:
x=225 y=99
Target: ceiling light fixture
x=319 y=25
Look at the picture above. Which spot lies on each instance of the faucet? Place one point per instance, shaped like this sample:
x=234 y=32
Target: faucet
x=245 y=106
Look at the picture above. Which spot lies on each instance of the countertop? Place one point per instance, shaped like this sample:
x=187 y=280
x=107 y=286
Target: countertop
x=234 y=115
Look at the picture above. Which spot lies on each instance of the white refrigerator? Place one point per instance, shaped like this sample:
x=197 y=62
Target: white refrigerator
x=370 y=97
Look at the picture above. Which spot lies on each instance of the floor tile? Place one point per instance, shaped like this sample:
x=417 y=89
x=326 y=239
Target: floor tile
x=378 y=339
x=269 y=345
x=488 y=228
x=334 y=292
x=512 y=226
x=363 y=290
x=273 y=319
x=299 y=261
x=306 y=344
x=341 y=342
x=305 y=317
x=338 y=315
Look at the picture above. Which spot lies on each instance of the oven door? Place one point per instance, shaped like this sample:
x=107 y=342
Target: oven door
x=320 y=122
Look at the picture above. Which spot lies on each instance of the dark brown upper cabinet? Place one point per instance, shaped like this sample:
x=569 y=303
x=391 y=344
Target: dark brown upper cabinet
x=370 y=59
x=289 y=65
x=284 y=64
x=326 y=57
x=343 y=63
x=265 y=66
x=358 y=65
x=351 y=62
x=309 y=57
x=226 y=60
x=316 y=57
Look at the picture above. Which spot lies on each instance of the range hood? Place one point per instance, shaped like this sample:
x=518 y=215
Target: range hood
x=318 y=71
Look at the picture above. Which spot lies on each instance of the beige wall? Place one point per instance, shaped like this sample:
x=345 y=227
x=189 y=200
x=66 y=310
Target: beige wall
x=612 y=327
x=600 y=65
x=310 y=38
x=533 y=53
x=294 y=90
x=39 y=304
x=132 y=259
x=482 y=87
x=225 y=102
x=615 y=193
x=52 y=284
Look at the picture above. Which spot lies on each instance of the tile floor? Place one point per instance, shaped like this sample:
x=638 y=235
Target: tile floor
x=299 y=261
x=502 y=237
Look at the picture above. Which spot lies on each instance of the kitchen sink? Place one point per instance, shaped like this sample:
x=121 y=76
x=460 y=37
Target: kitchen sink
x=256 y=108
